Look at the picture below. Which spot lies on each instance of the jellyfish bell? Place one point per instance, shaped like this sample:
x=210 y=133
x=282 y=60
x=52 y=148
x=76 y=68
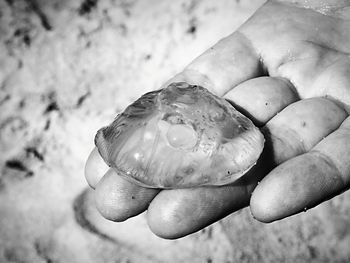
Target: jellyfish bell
x=181 y=136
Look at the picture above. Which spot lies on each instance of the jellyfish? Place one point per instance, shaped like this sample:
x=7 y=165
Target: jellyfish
x=178 y=137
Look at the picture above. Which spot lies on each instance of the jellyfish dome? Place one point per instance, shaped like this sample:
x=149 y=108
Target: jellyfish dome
x=180 y=136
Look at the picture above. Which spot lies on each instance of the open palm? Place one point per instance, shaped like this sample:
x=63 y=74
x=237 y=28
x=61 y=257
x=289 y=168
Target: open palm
x=288 y=69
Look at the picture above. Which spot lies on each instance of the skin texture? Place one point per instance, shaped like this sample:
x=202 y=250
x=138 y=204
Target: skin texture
x=288 y=68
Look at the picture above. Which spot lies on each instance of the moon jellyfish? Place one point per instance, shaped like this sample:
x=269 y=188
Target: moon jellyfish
x=180 y=136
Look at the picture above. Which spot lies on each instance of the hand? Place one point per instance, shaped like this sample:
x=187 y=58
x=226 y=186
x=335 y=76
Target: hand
x=288 y=69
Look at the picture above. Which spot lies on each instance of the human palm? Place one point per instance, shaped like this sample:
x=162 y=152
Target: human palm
x=288 y=69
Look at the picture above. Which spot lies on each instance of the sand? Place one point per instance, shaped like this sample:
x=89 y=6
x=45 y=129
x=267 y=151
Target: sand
x=66 y=69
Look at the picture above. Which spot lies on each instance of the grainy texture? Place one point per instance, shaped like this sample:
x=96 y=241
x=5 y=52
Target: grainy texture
x=66 y=69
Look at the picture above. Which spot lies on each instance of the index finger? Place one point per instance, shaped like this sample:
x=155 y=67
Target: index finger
x=228 y=63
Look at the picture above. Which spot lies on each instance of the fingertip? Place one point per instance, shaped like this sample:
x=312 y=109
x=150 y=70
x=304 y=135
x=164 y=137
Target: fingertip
x=107 y=202
x=278 y=195
x=95 y=168
x=165 y=216
x=117 y=199
x=180 y=212
x=294 y=186
x=264 y=203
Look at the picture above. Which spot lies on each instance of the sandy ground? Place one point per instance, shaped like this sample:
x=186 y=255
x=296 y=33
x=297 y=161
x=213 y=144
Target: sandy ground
x=66 y=69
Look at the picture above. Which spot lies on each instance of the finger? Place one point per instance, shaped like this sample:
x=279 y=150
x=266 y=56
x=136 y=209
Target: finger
x=95 y=168
x=180 y=212
x=307 y=180
x=117 y=199
x=292 y=132
x=229 y=62
x=262 y=98
x=300 y=126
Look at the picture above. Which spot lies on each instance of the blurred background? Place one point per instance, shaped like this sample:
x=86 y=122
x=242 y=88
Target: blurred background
x=66 y=69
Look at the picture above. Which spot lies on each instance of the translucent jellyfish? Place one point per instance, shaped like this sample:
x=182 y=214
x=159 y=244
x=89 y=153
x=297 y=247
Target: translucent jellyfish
x=180 y=136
